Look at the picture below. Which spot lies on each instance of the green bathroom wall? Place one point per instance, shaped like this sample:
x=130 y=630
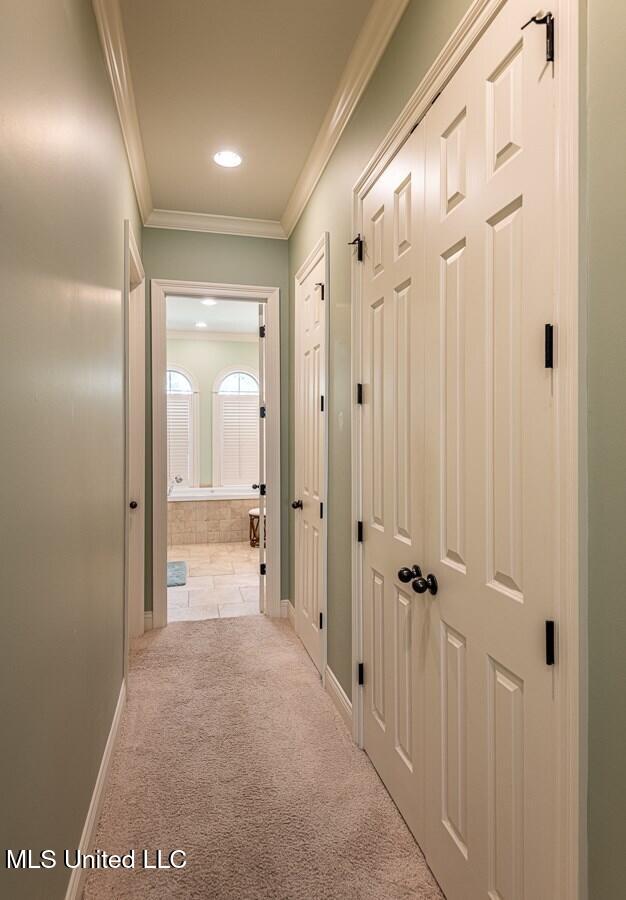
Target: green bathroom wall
x=228 y=259
x=65 y=192
x=605 y=222
x=205 y=360
x=422 y=32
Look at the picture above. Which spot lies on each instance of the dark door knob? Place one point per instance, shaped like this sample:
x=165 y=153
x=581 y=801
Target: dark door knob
x=421 y=584
x=296 y=504
x=405 y=574
x=133 y=504
x=255 y=487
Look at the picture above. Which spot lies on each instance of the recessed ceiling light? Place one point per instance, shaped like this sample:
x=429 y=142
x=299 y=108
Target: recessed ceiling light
x=209 y=301
x=227 y=158
x=201 y=325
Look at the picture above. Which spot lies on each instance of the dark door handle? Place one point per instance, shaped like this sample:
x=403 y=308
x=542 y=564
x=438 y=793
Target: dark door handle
x=405 y=574
x=421 y=584
x=255 y=487
x=296 y=504
x=133 y=504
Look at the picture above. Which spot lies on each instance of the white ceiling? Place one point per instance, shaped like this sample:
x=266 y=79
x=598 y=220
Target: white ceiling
x=255 y=76
x=227 y=316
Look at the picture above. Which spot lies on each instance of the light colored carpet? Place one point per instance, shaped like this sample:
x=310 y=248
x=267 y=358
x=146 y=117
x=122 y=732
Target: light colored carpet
x=231 y=750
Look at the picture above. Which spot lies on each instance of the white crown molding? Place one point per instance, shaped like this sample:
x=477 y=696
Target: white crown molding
x=109 y=19
x=174 y=334
x=190 y=221
x=370 y=45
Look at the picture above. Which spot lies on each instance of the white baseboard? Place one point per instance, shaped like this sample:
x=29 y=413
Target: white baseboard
x=147 y=621
x=87 y=838
x=339 y=698
x=288 y=612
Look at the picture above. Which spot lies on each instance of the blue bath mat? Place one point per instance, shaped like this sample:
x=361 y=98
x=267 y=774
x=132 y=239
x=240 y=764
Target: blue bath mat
x=176 y=574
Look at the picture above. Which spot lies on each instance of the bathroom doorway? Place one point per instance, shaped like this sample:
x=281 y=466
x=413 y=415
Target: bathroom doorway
x=216 y=421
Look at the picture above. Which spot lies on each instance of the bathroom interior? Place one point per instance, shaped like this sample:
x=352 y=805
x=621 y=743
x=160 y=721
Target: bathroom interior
x=213 y=514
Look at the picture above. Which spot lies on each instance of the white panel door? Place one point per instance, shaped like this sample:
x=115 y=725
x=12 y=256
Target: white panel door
x=136 y=458
x=310 y=460
x=491 y=539
x=392 y=352
x=264 y=536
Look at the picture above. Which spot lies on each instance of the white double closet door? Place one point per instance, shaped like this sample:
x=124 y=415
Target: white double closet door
x=459 y=472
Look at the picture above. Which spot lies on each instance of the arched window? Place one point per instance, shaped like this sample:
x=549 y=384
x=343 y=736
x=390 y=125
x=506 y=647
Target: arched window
x=182 y=427
x=236 y=428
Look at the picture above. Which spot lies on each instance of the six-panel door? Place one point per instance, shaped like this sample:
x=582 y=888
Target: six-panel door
x=467 y=289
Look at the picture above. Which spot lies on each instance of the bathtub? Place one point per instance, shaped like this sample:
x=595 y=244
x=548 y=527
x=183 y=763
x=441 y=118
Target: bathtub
x=206 y=515
x=236 y=492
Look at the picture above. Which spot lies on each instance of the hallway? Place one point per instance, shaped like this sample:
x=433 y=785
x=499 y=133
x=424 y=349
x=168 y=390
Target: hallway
x=231 y=751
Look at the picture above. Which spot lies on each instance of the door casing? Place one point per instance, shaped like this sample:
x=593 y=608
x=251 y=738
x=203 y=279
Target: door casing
x=570 y=592
x=270 y=297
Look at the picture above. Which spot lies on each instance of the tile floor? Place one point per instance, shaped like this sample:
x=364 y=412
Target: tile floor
x=222 y=582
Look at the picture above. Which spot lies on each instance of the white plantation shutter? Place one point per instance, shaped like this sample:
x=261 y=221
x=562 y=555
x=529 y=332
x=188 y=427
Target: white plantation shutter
x=239 y=438
x=180 y=437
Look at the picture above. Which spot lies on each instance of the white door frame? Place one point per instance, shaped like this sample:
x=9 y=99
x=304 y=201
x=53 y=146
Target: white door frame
x=270 y=296
x=570 y=593
x=322 y=247
x=134 y=278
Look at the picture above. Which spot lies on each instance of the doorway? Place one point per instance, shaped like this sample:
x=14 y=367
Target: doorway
x=135 y=437
x=462 y=693
x=216 y=451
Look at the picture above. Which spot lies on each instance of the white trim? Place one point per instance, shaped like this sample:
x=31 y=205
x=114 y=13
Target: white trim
x=147 y=621
x=218 y=419
x=339 y=698
x=134 y=277
x=321 y=248
x=569 y=380
x=284 y=608
x=215 y=224
x=216 y=336
x=270 y=296
x=111 y=29
x=86 y=845
x=369 y=46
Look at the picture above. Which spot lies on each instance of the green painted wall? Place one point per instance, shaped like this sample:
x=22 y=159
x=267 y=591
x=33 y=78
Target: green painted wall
x=65 y=194
x=606 y=242
x=422 y=32
x=194 y=256
x=204 y=360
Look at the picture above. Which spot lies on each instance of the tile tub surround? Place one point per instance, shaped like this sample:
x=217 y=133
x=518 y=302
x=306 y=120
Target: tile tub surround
x=208 y=521
x=222 y=582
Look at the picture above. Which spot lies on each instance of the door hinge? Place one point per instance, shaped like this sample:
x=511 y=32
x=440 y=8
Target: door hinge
x=550 y=642
x=548 y=21
x=359 y=532
x=262 y=490
x=320 y=285
x=263 y=568
x=423 y=115
x=322 y=403
x=361 y=673
x=359 y=393
x=262 y=412
x=261 y=330
x=549 y=347
x=321 y=510
x=321 y=621
x=358 y=242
